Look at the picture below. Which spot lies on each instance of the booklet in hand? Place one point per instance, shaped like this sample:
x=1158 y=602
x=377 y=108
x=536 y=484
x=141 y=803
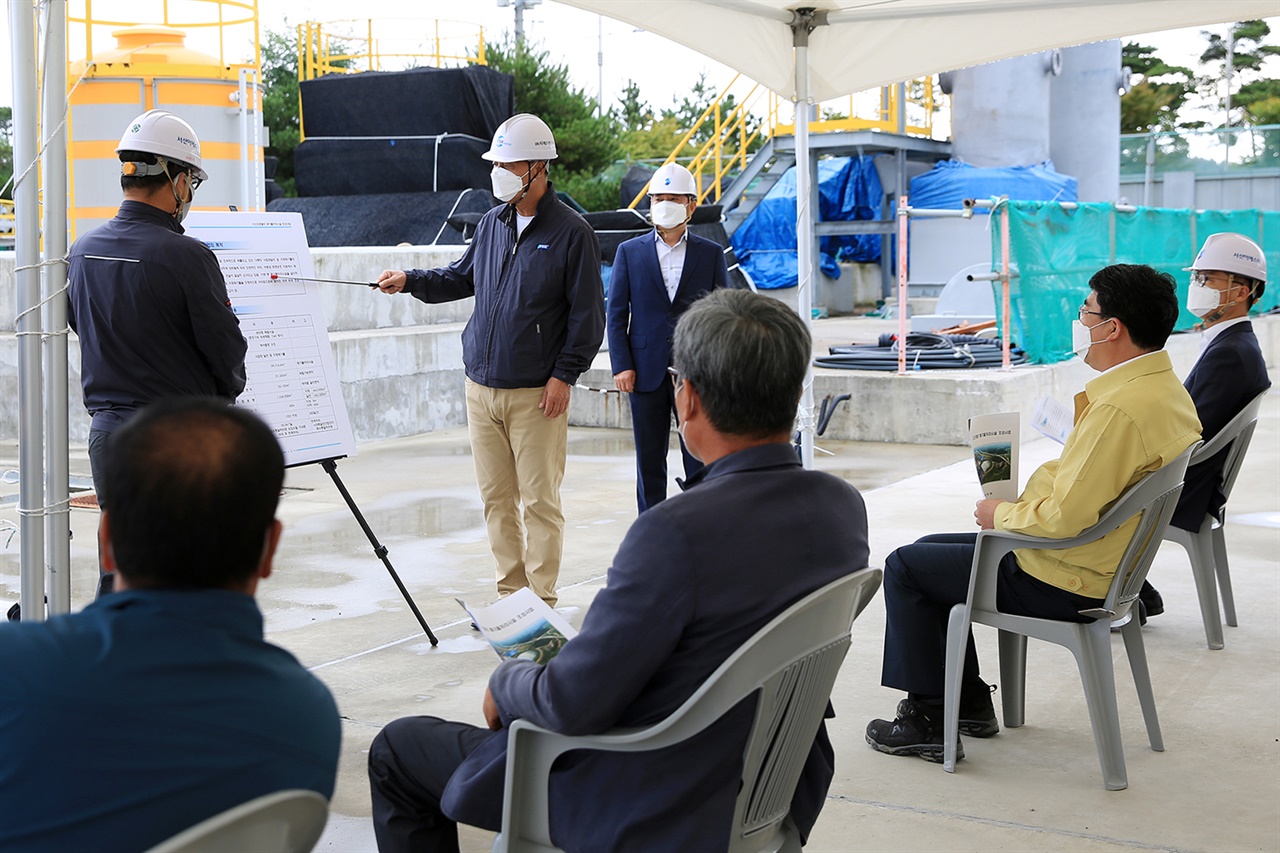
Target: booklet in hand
x=522 y=626
x=994 y=440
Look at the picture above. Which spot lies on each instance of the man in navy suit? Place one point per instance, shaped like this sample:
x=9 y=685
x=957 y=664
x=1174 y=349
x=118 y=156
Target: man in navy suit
x=695 y=578
x=1227 y=278
x=655 y=279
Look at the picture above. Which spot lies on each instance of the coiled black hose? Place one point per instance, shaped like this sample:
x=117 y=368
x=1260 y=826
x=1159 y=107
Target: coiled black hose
x=925 y=351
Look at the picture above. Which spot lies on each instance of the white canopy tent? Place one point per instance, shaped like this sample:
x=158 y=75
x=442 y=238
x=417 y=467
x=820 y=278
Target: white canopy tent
x=814 y=50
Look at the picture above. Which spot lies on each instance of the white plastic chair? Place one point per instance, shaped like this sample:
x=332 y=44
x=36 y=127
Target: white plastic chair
x=1207 y=547
x=283 y=822
x=1153 y=499
x=790 y=665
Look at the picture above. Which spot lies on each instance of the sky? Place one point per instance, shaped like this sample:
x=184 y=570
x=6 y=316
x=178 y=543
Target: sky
x=663 y=70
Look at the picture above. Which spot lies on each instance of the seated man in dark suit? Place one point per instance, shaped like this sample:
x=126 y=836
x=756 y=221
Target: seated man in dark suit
x=1227 y=278
x=1133 y=419
x=695 y=577
x=655 y=279
x=162 y=705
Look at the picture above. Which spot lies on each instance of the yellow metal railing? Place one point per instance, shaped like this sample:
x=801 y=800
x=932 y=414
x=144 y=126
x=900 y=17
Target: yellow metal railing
x=736 y=129
x=338 y=47
x=234 y=22
x=7 y=220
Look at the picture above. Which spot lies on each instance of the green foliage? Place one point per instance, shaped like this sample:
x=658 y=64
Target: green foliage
x=1154 y=101
x=280 y=101
x=6 y=151
x=1248 y=53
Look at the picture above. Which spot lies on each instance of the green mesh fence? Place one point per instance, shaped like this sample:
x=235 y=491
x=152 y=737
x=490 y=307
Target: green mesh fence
x=1055 y=251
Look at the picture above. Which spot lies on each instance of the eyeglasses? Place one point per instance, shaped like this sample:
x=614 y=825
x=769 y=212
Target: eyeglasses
x=1203 y=280
x=194 y=180
x=1084 y=310
x=675 y=377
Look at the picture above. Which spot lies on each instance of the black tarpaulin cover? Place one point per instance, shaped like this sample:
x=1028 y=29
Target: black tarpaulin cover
x=385 y=219
x=324 y=167
x=419 y=102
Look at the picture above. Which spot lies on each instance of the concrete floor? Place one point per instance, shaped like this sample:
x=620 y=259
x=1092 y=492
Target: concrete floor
x=1217 y=786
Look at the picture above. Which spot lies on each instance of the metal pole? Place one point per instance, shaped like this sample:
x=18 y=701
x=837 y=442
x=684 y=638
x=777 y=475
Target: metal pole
x=804 y=225
x=902 y=285
x=244 y=141
x=54 y=168
x=26 y=203
x=1149 y=176
x=1004 y=285
x=600 y=64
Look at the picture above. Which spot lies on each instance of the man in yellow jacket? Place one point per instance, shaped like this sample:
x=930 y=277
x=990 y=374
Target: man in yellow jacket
x=1133 y=419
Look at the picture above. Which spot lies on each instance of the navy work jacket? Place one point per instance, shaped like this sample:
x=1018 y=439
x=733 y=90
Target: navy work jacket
x=539 y=298
x=152 y=312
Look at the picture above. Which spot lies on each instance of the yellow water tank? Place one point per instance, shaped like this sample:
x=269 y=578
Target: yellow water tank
x=152 y=68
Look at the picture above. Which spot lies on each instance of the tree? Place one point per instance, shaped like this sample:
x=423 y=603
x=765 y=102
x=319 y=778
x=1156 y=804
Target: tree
x=1154 y=101
x=280 y=104
x=6 y=151
x=1244 y=45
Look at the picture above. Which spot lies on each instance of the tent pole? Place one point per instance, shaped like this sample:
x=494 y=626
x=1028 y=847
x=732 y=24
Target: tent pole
x=803 y=22
x=26 y=205
x=54 y=168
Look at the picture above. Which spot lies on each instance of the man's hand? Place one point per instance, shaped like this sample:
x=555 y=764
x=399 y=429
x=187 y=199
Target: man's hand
x=555 y=399
x=391 y=281
x=491 y=715
x=625 y=381
x=985 y=513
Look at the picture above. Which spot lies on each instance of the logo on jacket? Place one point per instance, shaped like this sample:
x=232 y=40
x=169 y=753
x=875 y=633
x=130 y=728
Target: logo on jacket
x=543 y=246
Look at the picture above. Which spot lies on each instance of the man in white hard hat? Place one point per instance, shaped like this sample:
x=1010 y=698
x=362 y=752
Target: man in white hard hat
x=1228 y=277
x=655 y=279
x=534 y=270
x=149 y=303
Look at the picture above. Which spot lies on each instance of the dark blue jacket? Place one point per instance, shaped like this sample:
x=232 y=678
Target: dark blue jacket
x=641 y=317
x=148 y=712
x=1230 y=372
x=153 y=316
x=696 y=576
x=539 y=300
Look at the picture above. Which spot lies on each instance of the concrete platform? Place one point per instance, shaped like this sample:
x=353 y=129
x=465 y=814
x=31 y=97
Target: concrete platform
x=1216 y=787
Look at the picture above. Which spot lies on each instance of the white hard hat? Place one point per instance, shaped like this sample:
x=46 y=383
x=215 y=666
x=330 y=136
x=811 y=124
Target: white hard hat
x=1233 y=253
x=162 y=133
x=521 y=137
x=672 y=178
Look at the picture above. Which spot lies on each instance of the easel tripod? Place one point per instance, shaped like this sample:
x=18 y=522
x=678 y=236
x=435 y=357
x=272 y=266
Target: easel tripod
x=380 y=551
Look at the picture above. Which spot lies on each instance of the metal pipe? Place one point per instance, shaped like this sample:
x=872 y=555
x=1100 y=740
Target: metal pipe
x=26 y=204
x=804 y=231
x=54 y=168
x=902 y=285
x=243 y=100
x=1004 y=277
x=1149 y=176
x=987 y=204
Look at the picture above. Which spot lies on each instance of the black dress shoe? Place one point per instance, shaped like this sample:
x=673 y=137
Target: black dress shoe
x=1151 y=599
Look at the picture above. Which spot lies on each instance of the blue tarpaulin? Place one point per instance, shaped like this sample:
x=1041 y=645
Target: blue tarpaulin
x=765 y=243
x=950 y=182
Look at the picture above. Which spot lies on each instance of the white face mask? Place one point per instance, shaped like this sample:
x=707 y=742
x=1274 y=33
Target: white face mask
x=1080 y=339
x=1203 y=300
x=506 y=185
x=668 y=214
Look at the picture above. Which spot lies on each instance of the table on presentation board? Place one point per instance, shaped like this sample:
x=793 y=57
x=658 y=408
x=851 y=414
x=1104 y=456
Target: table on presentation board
x=292 y=380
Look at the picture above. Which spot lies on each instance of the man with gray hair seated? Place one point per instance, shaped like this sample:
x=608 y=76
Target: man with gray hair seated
x=696 y=576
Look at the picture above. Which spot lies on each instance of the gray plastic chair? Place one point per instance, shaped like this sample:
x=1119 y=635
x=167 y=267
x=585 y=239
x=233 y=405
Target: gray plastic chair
x=1152 y=499
x=1207 y=547
x=790 y=665
x=282 y=822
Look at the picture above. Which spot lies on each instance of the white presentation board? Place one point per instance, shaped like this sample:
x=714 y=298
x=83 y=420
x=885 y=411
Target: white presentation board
x=292 y=381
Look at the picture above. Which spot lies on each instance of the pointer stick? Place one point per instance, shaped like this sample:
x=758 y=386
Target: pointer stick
x=275 y=277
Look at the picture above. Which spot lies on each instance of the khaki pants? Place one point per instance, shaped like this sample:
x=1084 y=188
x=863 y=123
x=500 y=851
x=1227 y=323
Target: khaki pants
x=519 y=457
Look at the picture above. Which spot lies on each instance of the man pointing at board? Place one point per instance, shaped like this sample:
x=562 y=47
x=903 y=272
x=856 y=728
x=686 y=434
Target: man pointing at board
x=148 y=302
x=534 y=270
